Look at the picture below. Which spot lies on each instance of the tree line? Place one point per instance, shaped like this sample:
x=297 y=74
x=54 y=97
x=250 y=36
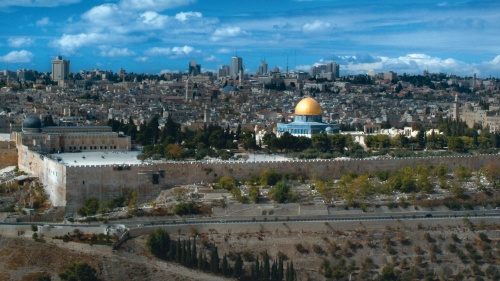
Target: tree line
x=185 y=252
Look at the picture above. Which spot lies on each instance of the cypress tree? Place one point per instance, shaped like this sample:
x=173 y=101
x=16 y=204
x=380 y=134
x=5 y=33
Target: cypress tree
x=281 y=274
x=214 y=261
x=205 y=263
x=238 y=267
x=193 y=252
x=200 y=262
x=224 y=266
x=274 y=271
x=178 y=251
x=265 y=267
x=257 y=269
x=189 y=259
x=292 y=272
x=172 y=252
x=287 y=276
x=184 y=253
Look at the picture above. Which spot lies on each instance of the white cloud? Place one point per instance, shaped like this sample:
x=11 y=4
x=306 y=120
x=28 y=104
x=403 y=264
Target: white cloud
x=316 y=26
x=182 y=51
x=37 y=3
x=163 y=71
x=105 y=14
x=157 y=51
x=153 y=19
x=141 y=59
x=416 y=64
x=115 y=52
x=183 y=16
x=211 y=58
x=226 y=32
x=153 y=5
x=175 y=52
x=224 y=51
x=22 y=56
x=43 y=22
x=20 y=42
x=70 y=43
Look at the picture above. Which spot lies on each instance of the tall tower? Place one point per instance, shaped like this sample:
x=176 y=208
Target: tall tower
x=456 y=109
x=206 y=114
x=194 y=69
x=60 y=69
x=263 y=68
x=187 y=97
x=236 y=66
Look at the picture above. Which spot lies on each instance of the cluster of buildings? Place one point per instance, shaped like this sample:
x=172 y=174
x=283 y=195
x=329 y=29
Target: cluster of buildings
x=231 y=97
x=57 y=119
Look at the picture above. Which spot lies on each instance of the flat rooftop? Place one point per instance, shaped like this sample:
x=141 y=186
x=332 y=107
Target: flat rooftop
x=98 y=158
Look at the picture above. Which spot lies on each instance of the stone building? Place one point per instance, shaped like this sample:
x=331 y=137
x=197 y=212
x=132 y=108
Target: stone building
x=68 y=138
x=307 y=121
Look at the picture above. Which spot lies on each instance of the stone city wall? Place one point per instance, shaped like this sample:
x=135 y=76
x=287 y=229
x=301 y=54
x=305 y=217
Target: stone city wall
x=196 y=172
x=109 y=181
x=51 y=173
x=70 y=185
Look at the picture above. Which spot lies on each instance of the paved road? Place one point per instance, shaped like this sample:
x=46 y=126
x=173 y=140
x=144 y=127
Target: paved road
x=152 y=221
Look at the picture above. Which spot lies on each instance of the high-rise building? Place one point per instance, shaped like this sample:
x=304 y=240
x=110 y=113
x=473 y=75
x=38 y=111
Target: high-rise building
x=263 y=68
x=194 y=69
x=223 y=71
x=236 y=66
x=60 y=69
x=331 y=68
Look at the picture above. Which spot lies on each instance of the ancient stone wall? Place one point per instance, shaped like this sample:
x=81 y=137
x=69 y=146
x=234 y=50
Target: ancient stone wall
x=70 y=185
x=196 y=172
x=52 y=174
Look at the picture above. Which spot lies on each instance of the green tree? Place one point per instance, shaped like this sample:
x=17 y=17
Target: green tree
x=238 y=267
x=79 y=272
x=456 y=144
x=214 y=261
x=254 y=194
x=158 y=243
x=321 y=142
x=269 y=177
x=224 y=269
x=281 y=192
x=441 y=171
x=43 y=277
x=461 y=173
x=90 y=207
x=388 y=273
x=226 y=182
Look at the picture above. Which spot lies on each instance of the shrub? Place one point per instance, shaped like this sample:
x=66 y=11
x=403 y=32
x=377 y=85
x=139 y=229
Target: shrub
x=301 y=249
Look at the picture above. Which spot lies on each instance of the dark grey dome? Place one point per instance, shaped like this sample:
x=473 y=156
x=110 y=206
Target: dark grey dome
x=32 y=122
x=228 y=89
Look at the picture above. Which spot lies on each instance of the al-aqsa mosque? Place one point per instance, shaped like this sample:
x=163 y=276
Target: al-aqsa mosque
x=307 y=121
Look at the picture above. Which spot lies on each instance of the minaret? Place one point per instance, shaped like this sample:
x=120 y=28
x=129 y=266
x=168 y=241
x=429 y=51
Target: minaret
x=206 y=115
x=186 y=98
x=456 y=109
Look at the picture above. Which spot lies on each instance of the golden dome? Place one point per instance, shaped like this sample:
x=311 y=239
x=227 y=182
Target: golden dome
x=308 y=106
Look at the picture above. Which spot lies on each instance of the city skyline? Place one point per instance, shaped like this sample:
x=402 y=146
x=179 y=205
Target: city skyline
x=163 y=36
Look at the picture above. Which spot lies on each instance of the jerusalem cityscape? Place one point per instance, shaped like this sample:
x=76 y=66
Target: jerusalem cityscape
x=275 y=141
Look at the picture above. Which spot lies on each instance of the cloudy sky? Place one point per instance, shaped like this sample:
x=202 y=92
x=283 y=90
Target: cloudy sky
x=154 y=36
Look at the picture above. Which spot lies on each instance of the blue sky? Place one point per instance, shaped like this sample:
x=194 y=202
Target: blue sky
x=154 y=36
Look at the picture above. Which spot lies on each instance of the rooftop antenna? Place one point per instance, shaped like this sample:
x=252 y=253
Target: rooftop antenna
x=287 y=64
x=295 y=62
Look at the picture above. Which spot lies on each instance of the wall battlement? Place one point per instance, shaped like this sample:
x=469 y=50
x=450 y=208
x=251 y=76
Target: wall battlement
x=69 y=185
